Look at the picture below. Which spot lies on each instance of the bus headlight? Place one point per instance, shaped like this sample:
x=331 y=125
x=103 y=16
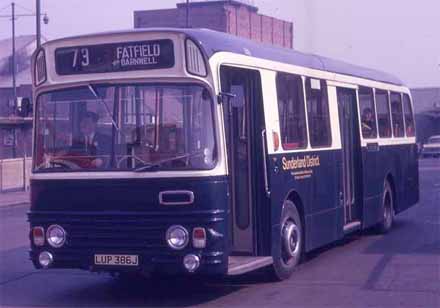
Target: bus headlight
x=177 y=237
x=191 y=263
x=56 y=236
x=45 y=259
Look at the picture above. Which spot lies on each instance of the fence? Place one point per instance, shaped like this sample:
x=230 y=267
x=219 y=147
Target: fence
x=14 y=174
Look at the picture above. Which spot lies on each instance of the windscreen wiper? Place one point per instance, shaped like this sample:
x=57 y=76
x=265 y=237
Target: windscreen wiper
x=96 y=95
x=155 y=166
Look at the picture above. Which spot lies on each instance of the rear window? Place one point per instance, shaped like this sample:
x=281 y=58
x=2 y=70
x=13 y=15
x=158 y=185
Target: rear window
x=409 y=116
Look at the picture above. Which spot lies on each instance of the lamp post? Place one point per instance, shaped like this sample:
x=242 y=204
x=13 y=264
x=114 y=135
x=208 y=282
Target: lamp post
x=14 y=66
x=38 y=20
x=187 y=13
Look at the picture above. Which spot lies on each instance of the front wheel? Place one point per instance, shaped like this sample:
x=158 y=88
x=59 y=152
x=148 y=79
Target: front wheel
x=388 y=209
x=291 y=243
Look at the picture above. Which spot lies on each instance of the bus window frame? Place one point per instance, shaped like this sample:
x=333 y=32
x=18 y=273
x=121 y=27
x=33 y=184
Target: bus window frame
x=325 y=87
x=306 y=141
x=390 y=135
x=205 y=61
x=411 y=107
x=402 y=114
x=373 y=103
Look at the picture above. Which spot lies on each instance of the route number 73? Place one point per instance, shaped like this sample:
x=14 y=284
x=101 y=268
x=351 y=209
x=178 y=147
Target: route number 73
x=81 y=55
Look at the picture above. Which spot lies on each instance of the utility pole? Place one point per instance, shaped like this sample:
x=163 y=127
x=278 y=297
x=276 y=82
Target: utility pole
x=187 y=13
x=14 y=87
x=38 y=19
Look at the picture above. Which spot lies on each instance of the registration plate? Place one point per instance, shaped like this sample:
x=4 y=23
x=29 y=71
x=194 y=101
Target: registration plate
x=118 y=260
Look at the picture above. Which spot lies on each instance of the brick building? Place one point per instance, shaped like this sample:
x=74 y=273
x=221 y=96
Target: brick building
x=229 y=16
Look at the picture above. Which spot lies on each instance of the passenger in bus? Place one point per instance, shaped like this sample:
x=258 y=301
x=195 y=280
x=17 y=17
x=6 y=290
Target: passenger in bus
x=368 y=123
x=409 y=127
x=90 y=141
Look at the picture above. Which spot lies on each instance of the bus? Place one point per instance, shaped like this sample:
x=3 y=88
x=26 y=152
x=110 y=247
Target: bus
x=190 y=151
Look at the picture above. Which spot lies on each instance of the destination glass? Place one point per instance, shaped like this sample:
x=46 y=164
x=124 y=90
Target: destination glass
x=114 y=57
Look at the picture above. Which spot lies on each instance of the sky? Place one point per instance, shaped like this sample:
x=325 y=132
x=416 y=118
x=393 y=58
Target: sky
x=397 y=36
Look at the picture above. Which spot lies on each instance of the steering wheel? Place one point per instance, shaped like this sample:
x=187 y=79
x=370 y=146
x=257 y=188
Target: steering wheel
x=64 y=163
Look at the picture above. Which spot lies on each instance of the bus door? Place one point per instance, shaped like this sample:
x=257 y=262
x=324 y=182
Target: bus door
x=348 y=120
x=244 y=124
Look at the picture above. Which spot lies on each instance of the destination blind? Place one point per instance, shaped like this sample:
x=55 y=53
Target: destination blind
x=114 y=57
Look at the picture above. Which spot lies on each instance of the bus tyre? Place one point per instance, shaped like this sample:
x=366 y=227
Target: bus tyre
x=388 y=209
x=291 y=244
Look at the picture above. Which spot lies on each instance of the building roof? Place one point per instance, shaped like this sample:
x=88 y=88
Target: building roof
x=209 y=40
x=220 y=2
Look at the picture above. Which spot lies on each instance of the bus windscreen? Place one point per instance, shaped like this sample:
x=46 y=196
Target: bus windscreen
x=127 y=127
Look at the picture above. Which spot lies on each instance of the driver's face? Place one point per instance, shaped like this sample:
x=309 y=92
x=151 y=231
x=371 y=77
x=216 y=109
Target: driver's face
x=87 y=126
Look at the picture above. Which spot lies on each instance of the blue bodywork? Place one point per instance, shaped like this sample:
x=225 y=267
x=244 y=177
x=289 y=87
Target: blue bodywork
x=125 y=216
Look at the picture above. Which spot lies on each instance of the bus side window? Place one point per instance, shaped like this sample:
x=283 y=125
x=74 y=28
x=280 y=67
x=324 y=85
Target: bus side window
x=318 y=113
x=383 y=113
x=397 y=114
x=368 y=113
x=409 y=117
x=291 y=111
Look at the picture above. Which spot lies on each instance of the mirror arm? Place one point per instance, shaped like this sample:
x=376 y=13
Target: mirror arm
x=225 y=96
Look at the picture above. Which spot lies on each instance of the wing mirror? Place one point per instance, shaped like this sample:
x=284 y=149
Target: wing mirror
x=235 y=98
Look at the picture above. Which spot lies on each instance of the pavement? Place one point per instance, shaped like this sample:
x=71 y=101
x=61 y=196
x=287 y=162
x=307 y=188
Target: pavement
x=399 y=269
x=8 y=199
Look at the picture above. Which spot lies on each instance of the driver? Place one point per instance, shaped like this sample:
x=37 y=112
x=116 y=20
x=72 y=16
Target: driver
x=90 y=141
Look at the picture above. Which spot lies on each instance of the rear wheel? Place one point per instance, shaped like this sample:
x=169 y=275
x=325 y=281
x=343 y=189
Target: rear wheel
x=388 y=209
x=291 y=244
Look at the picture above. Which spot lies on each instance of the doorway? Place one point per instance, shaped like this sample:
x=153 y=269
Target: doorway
x=244 y=124
x=348 y=120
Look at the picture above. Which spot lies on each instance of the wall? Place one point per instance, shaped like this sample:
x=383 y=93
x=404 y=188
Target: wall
x=226 y=16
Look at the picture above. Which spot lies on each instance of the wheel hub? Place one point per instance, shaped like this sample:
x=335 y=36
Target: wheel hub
x=291 y=239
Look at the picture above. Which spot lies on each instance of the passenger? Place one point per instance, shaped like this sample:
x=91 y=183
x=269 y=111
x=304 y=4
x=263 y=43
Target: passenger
x=368 y=127
x=409 y=128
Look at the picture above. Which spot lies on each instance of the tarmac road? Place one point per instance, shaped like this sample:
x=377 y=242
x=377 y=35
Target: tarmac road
x=398 y=269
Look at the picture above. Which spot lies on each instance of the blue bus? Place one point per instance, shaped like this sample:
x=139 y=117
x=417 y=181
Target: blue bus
x=190 y=151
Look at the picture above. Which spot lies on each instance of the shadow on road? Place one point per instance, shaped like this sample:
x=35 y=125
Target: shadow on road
x=67 y=288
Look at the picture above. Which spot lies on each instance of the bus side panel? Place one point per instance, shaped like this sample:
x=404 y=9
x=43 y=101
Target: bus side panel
x=398 y=161
x=406 y=176
x=315 y=178
x=373 y=185
x=412 y=177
